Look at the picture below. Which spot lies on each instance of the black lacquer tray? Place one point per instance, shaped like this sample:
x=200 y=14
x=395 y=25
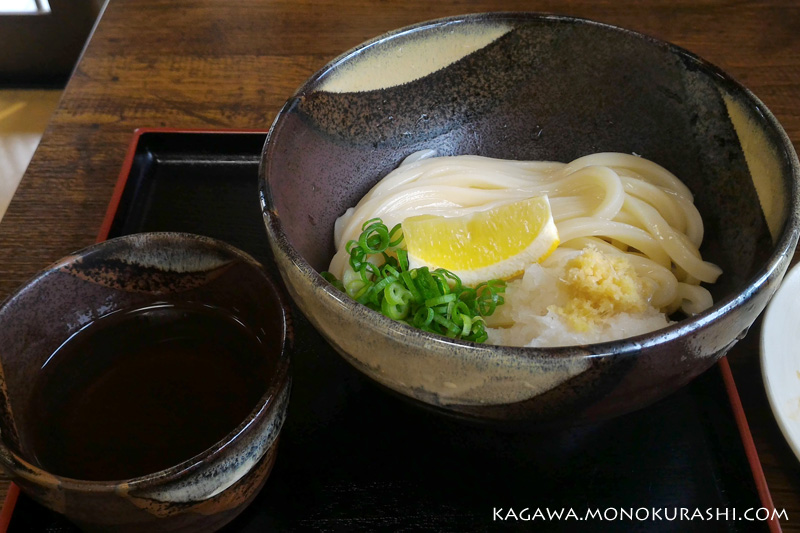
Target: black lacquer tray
x=353 y=458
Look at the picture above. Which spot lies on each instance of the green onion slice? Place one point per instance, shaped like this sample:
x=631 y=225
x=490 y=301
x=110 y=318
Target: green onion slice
x=436 y=301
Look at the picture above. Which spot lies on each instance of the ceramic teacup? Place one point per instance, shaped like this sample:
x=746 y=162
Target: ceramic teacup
x=200 y=492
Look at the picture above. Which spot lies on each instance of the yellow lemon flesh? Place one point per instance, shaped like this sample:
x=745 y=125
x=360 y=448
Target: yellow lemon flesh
x=494 y=244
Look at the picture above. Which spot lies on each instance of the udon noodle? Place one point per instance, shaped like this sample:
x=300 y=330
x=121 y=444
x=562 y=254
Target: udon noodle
x=617 y=203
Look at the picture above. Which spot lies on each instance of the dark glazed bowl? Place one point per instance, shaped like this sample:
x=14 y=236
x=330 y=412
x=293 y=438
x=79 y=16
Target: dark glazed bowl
x=532 y=87
x=205 y=491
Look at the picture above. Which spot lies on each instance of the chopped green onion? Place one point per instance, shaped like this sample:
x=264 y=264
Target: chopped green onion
x=439 y=300
x=436 y=302
x=330 y=278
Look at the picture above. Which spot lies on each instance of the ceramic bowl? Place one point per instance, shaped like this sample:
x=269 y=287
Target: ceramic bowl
x=530 y=87
x=203 y=492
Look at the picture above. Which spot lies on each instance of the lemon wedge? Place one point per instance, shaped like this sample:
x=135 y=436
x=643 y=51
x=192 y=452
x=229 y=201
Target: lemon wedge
x=497 y=243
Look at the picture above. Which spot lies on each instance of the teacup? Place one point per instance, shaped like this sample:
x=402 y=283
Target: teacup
x=197 y=297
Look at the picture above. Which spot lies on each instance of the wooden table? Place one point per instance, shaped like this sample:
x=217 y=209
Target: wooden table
x=232 y=64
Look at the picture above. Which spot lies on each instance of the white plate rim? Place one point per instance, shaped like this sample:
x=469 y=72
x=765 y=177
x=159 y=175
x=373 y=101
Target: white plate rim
x=784 y=306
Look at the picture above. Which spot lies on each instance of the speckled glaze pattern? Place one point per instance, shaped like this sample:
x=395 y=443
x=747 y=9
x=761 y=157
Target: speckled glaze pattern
x=204 y=492
x=544 y=88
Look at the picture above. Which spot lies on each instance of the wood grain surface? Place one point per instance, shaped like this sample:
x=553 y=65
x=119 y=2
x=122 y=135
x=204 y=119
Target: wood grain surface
x=231 y=64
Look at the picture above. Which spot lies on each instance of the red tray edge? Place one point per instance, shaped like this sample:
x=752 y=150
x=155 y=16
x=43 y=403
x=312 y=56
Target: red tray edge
x=749 y=446
x=8 y=507
x=127 y=163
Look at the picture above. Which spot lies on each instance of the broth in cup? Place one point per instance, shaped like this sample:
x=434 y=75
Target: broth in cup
x=143 y=390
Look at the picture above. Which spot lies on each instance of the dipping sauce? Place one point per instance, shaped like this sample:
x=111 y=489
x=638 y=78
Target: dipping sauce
x=140 y=391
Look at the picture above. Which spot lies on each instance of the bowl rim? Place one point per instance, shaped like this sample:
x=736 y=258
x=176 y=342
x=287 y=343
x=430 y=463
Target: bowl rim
x=278 y=385
x=775 y=266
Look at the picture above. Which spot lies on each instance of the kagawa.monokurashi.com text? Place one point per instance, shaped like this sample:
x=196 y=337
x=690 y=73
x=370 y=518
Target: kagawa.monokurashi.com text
x=638 y=514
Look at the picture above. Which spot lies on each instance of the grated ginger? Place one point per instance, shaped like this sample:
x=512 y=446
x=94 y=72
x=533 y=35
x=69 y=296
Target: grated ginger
x=600 y=286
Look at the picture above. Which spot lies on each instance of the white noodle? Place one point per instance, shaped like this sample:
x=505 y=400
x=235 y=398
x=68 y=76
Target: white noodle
x=619 y=203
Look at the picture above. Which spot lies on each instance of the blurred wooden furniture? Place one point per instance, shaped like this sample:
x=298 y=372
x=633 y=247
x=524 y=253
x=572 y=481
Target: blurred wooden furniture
x=40 y=48
x=211 y=64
